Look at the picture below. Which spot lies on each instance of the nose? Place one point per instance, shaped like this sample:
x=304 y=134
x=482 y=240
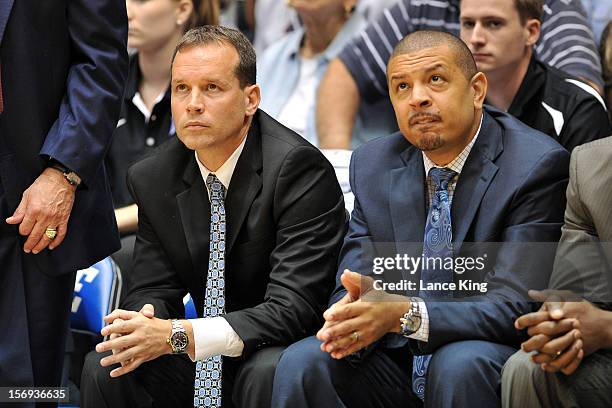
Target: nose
x=478 y=35
x=419 y=97
x=195 y=104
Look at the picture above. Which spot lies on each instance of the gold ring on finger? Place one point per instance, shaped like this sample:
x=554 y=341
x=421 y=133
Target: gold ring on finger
x=559 y=353
x=50 y=232
x=355 y=336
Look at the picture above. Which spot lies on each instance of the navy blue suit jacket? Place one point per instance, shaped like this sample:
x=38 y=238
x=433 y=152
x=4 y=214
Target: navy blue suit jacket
x=64 y=65
x=511 y=189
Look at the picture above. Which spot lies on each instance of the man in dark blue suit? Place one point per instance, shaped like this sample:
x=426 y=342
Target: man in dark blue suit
x=457 y=173
x=63 y=68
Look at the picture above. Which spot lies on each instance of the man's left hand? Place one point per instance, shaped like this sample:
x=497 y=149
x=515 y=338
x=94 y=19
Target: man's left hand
x=358 y=324
x=142 y=338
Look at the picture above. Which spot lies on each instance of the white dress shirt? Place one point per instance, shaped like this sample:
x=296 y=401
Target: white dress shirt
x=214 y=335
x=456 y=165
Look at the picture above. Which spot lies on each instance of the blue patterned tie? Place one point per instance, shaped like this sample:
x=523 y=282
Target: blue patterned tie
x=208 y=372
x=437 y=244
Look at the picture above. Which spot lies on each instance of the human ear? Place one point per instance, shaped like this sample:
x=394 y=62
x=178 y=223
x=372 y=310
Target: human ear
x=532 y=31
x=252 y=95
x=479 y=84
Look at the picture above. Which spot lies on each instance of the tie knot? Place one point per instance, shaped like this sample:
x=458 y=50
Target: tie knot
x=441 y=176
x=215 y=187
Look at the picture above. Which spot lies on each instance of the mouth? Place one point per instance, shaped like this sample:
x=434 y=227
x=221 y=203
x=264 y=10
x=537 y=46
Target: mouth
x=195 y=125
x=481 y=56
x=424 y=120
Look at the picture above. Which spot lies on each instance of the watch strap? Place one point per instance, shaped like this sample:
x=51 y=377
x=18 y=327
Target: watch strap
x=69 y=175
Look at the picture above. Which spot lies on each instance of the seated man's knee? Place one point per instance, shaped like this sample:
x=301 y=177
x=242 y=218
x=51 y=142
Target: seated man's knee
x=95 y=379
x=254 y=379
x=304 y=359
x=519 y=367
x=463 y=364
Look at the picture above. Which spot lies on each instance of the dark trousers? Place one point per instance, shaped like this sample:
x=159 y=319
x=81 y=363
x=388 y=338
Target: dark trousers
x=168 y=382
x=461 y=374
x=34 y=313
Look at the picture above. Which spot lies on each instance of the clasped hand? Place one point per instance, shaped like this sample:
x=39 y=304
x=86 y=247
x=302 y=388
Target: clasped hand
x=561 y=332
x=361 y=317
x=134 y=338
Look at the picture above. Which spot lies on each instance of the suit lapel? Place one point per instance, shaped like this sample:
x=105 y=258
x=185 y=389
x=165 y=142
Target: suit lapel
x=244 y=186
x=475 y=178
x=407 y=198
x=5 y=12
x=194 y=210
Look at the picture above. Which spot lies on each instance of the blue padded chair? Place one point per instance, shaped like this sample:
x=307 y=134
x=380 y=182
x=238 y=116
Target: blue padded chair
x=96 y=293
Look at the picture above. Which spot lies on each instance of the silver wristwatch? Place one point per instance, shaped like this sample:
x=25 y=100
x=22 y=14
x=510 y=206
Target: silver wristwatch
x=411 y=321
x=178 y=339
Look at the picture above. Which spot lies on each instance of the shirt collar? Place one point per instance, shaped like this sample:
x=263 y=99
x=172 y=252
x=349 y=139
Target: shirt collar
x=225 y=172
x=457 y=163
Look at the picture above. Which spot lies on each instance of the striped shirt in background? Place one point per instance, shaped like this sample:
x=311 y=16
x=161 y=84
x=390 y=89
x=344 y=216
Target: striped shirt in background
x=566 y=41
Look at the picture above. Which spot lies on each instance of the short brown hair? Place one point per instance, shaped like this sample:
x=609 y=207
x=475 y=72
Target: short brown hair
x=421 y=40
x=529 y=9
x=246 y=70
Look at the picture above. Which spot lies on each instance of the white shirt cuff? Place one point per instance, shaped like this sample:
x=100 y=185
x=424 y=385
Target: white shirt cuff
x=214 y=336
x=423 y=333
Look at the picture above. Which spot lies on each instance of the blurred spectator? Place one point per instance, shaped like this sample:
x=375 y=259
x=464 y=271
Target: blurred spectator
x=155 y=27
x=372 y=9
x=359 y=74
x=599 y=13
x=290 y=71
x=273 y=19
x=500 y=35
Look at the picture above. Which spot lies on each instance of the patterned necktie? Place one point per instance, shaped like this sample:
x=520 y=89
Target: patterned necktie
x=208 y=372
x=437 y=245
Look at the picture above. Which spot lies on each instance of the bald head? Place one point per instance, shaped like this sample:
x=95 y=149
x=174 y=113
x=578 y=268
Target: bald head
x=421 y=40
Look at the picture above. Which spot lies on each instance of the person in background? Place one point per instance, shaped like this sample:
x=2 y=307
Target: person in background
x=290 y=71
x=63 y=69
x=155 y=27
x=358 y=74
x=500 y=34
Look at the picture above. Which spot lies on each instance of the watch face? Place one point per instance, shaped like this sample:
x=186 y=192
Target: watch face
x=179 y=341
x=413 y=323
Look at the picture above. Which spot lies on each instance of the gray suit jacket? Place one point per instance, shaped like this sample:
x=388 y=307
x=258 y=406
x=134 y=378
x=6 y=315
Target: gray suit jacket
x=584 y=256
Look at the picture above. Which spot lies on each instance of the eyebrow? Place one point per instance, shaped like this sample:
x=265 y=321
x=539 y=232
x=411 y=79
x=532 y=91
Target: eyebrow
x=435 y=67
x=462 y=18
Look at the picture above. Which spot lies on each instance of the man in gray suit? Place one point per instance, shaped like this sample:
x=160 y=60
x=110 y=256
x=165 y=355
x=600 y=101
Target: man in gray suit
x=572 y=331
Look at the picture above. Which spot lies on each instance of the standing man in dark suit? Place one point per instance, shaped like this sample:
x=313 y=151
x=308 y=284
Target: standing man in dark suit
x=63 y=67
x=241 y=213
x=457 y=173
